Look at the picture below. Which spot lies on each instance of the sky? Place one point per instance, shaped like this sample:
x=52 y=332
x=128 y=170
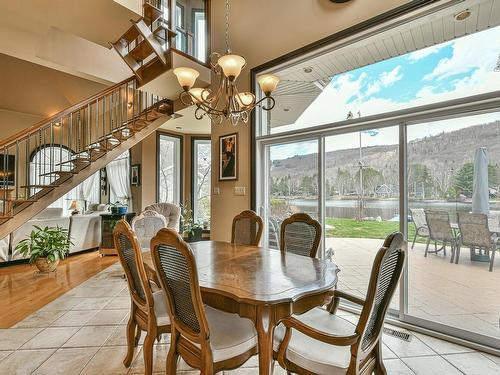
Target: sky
x=450 y=70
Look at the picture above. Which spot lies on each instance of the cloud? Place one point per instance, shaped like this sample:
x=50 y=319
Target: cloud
x=423 y=53
x=384 y=80
x=476 y=51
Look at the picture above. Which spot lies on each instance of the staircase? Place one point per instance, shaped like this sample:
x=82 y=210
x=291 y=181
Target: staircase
x=145 y=44
x=95 y=131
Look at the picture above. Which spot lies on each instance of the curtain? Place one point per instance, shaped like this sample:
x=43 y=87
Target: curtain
x=118 y=172
x=89 y=189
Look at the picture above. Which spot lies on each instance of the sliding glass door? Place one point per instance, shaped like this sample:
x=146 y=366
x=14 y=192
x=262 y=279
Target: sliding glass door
x=169 y=169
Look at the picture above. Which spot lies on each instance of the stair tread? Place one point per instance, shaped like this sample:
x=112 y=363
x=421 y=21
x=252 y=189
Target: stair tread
x=162 y=31
x=37 y=186
x=151 y=13
x=141 y=51
x=57 y=173
x=131 y=34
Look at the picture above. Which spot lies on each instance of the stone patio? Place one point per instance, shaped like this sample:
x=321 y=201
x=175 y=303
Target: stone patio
x=463 y=295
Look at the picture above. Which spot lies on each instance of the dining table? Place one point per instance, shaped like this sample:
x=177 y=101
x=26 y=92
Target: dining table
x=261 y=284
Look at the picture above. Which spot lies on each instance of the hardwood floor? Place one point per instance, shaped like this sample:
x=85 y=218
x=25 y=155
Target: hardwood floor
x=23 y=291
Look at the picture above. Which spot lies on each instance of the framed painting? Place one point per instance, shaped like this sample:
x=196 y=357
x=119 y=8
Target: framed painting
x=228 y=157
x=135 y=175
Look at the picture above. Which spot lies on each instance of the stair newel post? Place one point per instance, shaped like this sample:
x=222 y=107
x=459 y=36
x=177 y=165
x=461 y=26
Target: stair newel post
x=89 y=128
x=16 y=172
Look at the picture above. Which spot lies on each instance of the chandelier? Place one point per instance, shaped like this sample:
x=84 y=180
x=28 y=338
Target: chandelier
x=226 y=102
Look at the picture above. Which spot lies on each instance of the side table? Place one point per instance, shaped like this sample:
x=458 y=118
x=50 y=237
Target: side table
x=108 y=222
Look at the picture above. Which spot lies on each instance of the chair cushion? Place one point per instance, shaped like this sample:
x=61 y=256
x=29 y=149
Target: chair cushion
x=230 y=335
x=161 y=311
x=314 y=355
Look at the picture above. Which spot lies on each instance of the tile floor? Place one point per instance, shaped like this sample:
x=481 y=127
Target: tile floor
x=83 y=332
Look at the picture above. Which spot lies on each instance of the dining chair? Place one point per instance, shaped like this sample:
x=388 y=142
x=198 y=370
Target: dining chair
x=300 y=234
x=475 y=233
x=207 y=339
x=320 y=342
x=247 y=228
x=146 y=225
x=170 y=211
x=148 y=308
x=440 y=230
x=421 y=229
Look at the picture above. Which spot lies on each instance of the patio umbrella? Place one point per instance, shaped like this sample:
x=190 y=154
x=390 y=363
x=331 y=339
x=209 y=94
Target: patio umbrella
x=480 y=195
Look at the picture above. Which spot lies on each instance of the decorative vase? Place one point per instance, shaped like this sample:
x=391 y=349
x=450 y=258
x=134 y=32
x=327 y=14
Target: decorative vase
x=119 y=210
x=45 y=266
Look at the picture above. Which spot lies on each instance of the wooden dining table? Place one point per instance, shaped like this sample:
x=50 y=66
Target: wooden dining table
x=263 y=285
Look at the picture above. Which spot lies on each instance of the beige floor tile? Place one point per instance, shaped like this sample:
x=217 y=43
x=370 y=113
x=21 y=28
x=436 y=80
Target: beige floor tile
x=473 y=364
x=107 y=361
x=90 y=336
x=119 y=337
x=66 y=361
x=407 y=349
x=387 y=353
x=14 y=338
x=40 y=319
x=108 y=317
x=492 y=357
x=397 y=367
x=74 y=318
x=5 y=353
x=52 y=337
x=24 y=362
x=64 y=302
x=433 y=365
x=118 y=303
x=159 y=360
x=441 y=346
x=91 y=303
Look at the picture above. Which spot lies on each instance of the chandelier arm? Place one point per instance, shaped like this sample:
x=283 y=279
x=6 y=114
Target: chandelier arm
x=183 y=96
x=271 y=103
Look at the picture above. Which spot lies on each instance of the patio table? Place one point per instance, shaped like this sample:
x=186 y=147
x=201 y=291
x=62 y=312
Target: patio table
x=474 y=256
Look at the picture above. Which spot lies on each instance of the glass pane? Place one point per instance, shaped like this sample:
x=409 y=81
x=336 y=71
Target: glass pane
x=454 y=168
x=201 y=184
x=362 y=204
x=191 y=27
x=169 y=184
x=293 y=184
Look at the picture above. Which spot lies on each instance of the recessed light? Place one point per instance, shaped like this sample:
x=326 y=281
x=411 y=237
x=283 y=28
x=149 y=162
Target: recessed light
x=178 y=127
x=286 y=109
x=308 y=69
x=463 y=15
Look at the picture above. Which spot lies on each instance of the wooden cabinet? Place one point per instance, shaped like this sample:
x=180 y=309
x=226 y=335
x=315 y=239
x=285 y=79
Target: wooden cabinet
x=108 y=222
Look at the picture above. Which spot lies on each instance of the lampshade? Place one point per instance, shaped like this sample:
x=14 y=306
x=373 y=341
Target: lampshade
x=231 y=65
x=268 y=83
x=73 y=205
x=186 y=77
x=245 y=99
x=199 y=94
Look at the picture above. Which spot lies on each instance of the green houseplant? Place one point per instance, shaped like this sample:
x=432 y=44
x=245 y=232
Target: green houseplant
x=45 y=247
x=191 y=229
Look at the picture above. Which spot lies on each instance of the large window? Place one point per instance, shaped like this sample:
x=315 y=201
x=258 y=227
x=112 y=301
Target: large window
x=169 y=169
x=381 y=134
x=192 y=28
x=46 y=159
x=202 y=168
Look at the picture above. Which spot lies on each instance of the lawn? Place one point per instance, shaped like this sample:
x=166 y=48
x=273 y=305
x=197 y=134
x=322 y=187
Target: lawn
x=350 y=228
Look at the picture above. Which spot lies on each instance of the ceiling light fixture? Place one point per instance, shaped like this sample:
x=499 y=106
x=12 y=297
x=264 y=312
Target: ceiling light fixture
x=308 y=69
x=463 y=15
x=226 y=102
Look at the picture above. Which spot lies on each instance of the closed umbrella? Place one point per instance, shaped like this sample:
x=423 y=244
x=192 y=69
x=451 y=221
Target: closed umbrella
x=481 y=194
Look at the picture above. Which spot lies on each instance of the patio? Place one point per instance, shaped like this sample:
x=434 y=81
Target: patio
x=463 y=295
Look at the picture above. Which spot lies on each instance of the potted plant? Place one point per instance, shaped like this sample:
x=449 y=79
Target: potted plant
x=118 y=208
x=45 y=247
x=191 y=229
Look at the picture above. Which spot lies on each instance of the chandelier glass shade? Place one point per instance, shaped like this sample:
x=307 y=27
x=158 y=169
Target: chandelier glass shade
x=225 y=102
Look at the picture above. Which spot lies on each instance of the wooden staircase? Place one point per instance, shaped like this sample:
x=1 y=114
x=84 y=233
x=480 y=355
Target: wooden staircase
x=95 y=131
x=144 y=46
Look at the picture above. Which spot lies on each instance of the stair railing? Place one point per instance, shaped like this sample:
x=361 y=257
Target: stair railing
x=69 y=140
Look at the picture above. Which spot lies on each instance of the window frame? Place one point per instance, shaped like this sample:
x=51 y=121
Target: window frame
x=180 y=137
x=194 y=164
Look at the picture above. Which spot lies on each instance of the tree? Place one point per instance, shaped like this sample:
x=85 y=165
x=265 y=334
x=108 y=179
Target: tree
x=371 y=179
x=421 y=180
x=464 y=180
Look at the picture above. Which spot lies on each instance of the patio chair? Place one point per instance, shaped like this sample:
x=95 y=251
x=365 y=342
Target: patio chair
x=146 y=225
x=440 y=230
x=300 y=234
x=148 y=310
x=247 y=229
x=421 y=229
x=320 y=342
x=274 y=229
x=475 y=233
x=206 y=338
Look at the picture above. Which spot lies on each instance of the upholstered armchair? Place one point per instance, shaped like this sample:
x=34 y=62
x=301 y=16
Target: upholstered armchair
x=171 y=212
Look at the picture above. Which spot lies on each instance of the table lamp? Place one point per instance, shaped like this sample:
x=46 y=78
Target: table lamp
x=74 y=206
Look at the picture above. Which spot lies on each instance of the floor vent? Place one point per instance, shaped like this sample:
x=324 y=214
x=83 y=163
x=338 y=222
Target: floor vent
x=398 y=334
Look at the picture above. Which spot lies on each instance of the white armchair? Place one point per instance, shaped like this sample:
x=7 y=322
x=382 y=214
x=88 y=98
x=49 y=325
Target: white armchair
x=147 y=225
x=170 y=211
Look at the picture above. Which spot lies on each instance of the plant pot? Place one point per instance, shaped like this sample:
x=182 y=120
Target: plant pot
x=119 y=210
x=195 y=235
x=45 y=266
